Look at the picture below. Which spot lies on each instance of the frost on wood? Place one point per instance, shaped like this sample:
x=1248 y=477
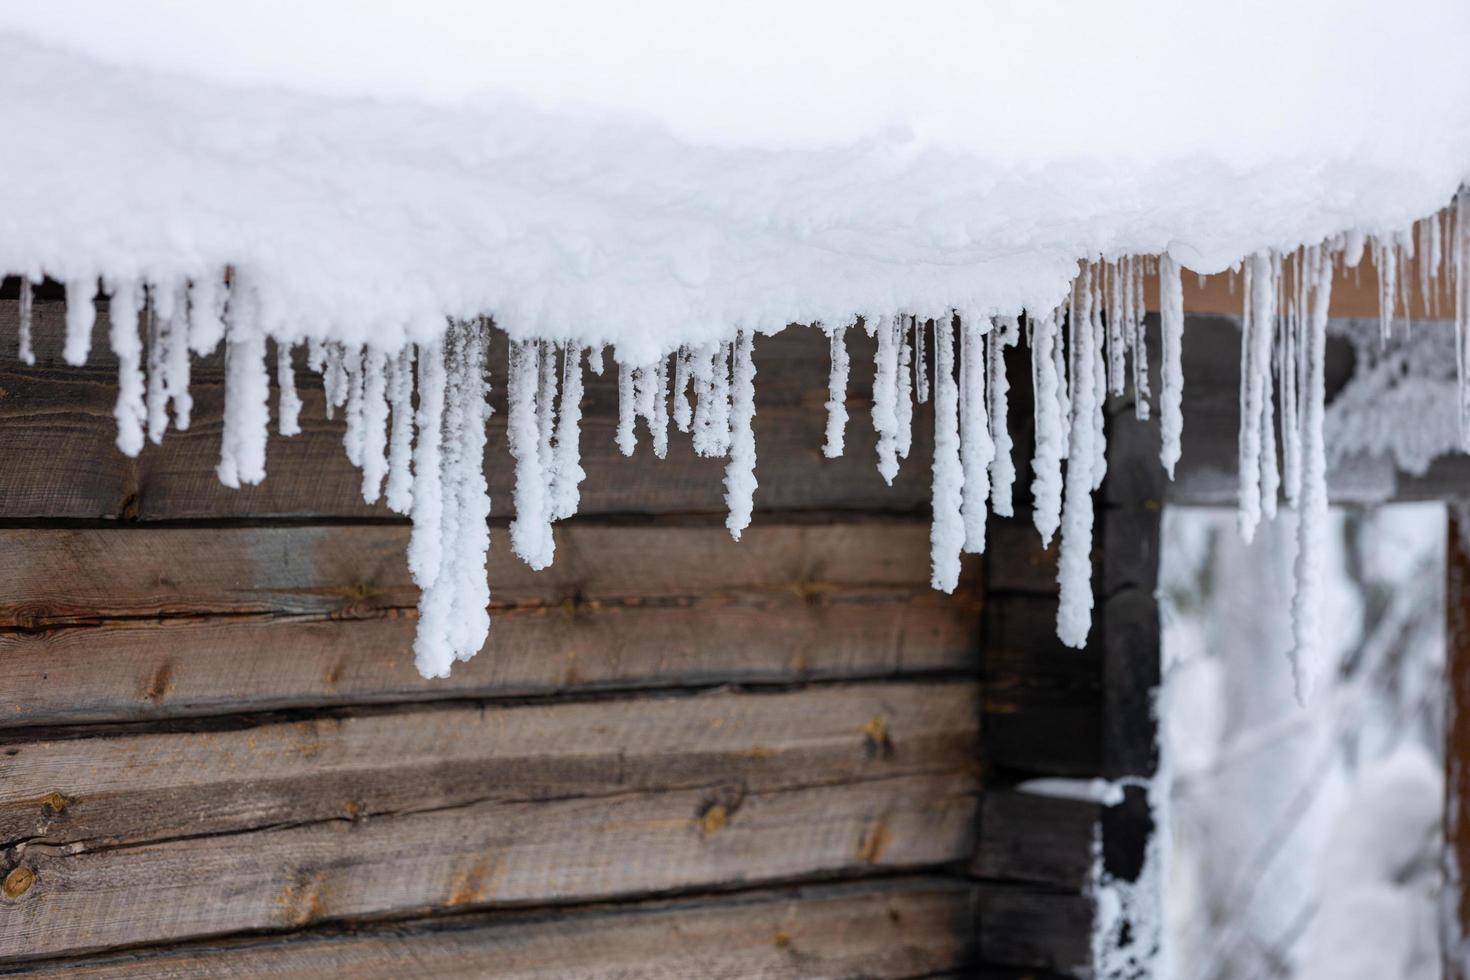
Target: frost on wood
x=415 y=416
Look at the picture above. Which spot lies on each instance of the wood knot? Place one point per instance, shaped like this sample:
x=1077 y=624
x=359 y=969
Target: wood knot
x=716 y=811
x=876 y=741
x=54 y=802
x=19 y=881
x=782 y=940
x=714 y=819
x=873 y=842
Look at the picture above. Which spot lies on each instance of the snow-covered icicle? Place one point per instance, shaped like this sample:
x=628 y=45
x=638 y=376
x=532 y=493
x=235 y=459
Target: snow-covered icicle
x=1046 y=464
x=627 y=438
x=903 y=406
x=1256 y=320
x=1171 y=330
x=374 y=413
x=426 y=543
x=400 y=443
x=740 y=470
x=81 y=315
x=352 y=435
x=207 y=298
x=176 y=367
x=885 y=396
x=1099 y=386
x=288 y=404
x=334 y=377
x=921 y=371
x=1385 y=260
x=947 y=531
x=1074 y=565
x=567 y=472
x=1138 y=340
x=1002 y=468
x=247 y=399
x=683 y=411
x=1306 y=604
x=1287 y=339
x=1460 y=257
x=156 y=394
x=530 y=529
x=837 y=392
x=546 y=409
x=977 y=449
x=23 y=348
x=643 y=395
x=454 y=617
x=701 y=369
x=659 y=421
x=1114 y=315
x=594 y=359
x=719 y=417
x=130 y=411
x=1270 y=473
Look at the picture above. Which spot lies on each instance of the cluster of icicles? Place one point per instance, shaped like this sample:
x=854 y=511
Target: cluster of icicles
x=416 y=417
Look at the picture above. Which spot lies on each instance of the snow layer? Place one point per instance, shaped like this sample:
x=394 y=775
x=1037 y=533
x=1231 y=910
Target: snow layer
x=650 y=176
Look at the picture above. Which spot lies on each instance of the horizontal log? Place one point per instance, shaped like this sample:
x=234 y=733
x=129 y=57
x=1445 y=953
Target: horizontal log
x=1029 y=926
x=58 y=432
x=155 y=623
x=86 y=794
x=1044 y=840
x=482 y=854
x=905 y=927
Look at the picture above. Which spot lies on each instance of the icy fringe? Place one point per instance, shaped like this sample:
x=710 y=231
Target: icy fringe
x=415 y=418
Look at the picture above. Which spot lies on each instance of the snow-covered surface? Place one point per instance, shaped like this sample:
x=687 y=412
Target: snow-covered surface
x=381 y=183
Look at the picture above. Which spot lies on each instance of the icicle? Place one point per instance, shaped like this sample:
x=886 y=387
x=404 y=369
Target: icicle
x=530 y=530
x=1002 y=468
x=174 y=332
x=701 y=367
x=1306 y=604
x=400 y=443
x=1099 y=386
x=426 y=544
x=1460 y=257
x=1254 y=349
x=316 y=356
x=374 y=426
x=81 y=315
x=1270 y=474
x=23 y=321
x=288 y=406
x=683 y=411
x=567 y=472
x=921 y=374
x=352 y=436
x=904 y=400
x=885 y=398
x=130 y=411
x=546 y=408
x=1352 y=249
x=207 y=298
x=1286 y=355
x=594 y=359
x=627 y=438
x=659 y=422
x=643 y=395
x=334 y=378
x=947 y=531
x=1138 y=340
x=1171 y=329
x=837 y=393
x=247 y=402
x=719 y=418
x=740 y=481
x=1074 y=566
x=977 y=449
x=454 y=617
x=1046 y=465
x=1116 y=277
x=1385 y=258
x=156 y=395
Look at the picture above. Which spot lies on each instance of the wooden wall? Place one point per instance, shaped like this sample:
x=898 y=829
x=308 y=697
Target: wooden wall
x=678 y=756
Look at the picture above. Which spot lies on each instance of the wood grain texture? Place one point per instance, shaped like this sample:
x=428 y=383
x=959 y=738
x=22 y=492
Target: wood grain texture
x=57 y=431
x=905 y=927
x=1027 y=837
x=93 y=793
x=154 y=623
x=1029 y=926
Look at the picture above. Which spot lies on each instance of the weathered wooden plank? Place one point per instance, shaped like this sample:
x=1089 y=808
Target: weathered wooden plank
x=904 y=927
x=1033 y=838
x=492 y=853
x=1028 y=926
x=58 y=432
x=62 y=576
x=90 y=793
x=160 y=623
x=1043 y=700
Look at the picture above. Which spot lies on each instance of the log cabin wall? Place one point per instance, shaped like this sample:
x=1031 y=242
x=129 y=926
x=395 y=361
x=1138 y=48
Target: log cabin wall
x=678 y=756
